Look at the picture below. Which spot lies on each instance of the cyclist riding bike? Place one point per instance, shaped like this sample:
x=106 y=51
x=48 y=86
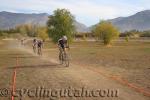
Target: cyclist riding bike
x=63 y=44
x=34 y=45
x=40 y=46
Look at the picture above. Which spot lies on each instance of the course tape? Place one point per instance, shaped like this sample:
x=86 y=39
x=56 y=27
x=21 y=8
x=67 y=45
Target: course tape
x=14 y=79
x=124 y=82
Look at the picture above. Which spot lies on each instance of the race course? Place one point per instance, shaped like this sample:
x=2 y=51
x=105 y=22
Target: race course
x=28 y=73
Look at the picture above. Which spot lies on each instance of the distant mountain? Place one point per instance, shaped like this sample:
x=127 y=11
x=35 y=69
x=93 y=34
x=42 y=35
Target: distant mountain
x=11 y=20
x=139 y=21
x=81 y=27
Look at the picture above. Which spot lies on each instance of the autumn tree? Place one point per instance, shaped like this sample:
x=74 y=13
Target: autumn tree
x=59 y=24
x=42 y=33
x=106 y=32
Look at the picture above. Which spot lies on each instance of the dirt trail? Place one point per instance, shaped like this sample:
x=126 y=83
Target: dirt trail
x=34 y=72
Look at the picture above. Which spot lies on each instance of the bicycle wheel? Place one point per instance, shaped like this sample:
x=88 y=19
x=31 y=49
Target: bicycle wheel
x=61 y=58
x=39 y=52
x=34 y=49
x=66 y=60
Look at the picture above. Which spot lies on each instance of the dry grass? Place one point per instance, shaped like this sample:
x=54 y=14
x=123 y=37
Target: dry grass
x=130 y=61
x=127 y=60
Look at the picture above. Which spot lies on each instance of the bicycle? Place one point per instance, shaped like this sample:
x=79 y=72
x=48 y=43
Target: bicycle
x=34 y=49
x=39 y=51
x=64 y=58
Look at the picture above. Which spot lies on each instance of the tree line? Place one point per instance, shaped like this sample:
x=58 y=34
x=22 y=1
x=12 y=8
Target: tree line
x=61 y=23
x=135 y=33
x=26 y=30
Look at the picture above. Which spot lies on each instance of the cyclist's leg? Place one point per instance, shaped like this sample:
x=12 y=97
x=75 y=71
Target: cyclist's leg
x=64 y=53
x=60 y=52
x=66 y=58
x=40 y=50
x=60 y=55
x=34 y=49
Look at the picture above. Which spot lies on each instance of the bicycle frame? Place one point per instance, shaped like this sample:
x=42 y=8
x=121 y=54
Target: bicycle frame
x=63 y=57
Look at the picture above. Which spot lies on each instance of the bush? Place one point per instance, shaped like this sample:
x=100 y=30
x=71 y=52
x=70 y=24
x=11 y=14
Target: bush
x=106 y=31
x=145 y=34
x=61 y=23
x=42 y=33
x=127 y=38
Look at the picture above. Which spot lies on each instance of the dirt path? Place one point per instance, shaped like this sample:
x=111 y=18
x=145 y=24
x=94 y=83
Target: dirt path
x=35 y=73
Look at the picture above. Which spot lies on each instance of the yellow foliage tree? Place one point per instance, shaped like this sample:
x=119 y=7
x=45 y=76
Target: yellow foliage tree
x=106 y=31
x=42 y=33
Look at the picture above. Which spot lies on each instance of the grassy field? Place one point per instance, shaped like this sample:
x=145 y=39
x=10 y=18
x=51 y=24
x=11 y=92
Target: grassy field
x=131 y=60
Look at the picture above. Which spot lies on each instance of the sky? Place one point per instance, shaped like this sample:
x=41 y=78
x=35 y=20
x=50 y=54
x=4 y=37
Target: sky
x=88 y=12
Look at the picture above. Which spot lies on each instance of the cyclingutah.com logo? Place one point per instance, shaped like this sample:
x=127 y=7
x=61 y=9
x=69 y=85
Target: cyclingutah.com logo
x=4 y=92
x=42 y=92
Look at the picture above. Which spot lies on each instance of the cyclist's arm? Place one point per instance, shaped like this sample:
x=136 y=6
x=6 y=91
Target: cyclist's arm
x=42 y=45
x=33 y=44
x=58 y=44
x=67 y=44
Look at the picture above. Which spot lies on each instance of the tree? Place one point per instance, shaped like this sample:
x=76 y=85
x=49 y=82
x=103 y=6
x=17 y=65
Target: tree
x=59 y=24
x=106 y=31
x=127 y=38
x=42 y=33
x=28 y=29
x=22 y=29
x=145 y=33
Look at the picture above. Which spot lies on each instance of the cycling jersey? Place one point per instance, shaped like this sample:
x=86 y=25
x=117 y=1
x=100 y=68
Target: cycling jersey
x=61 y=43
x=34 y=42
x=39 y=44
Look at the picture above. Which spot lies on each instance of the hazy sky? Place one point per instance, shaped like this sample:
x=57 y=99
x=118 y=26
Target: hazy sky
x=88 y=12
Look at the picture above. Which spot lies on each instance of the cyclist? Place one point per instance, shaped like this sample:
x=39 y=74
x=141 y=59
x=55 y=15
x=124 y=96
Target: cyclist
x=62 y=44
x=23 y=42
x=40 y=46
x=34 y=45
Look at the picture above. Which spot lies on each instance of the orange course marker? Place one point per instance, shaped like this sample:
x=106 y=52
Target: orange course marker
x=14 y=79
x=124 y=82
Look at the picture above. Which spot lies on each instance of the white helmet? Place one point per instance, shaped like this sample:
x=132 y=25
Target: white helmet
x=64 y=37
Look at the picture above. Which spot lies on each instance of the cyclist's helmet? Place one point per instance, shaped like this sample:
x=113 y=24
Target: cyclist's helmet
x=34 y=40
x=64 y=38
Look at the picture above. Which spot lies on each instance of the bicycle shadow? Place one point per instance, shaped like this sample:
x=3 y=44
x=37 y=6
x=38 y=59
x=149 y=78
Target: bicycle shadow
x=23 y=57
x=18 y=54
x=53 y=66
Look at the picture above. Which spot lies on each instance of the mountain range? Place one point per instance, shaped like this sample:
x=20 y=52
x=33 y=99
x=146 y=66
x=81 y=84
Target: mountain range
x=139 y=21
x=11 y=20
